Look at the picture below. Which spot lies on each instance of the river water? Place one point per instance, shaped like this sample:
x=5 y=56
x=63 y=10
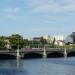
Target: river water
x=50 y=66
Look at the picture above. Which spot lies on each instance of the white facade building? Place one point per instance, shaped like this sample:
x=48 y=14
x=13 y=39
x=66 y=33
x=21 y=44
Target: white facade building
x=47 y=38
x=58 y=40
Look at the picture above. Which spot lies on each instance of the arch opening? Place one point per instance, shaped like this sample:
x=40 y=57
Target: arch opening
x=71 y=54
x=32 y=55
x=55 y=55
x=7 y=56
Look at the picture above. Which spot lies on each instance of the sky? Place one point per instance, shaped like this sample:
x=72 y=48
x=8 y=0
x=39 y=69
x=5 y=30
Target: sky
x=33 y=18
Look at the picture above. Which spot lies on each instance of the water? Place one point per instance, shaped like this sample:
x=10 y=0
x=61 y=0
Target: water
x=51 y=66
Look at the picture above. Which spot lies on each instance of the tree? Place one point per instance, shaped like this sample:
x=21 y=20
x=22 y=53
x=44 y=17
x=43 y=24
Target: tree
x=2 y=43
x=53 y=43
x=15 y=41
x=26 y=42
x=35 y=43
x=43 y=41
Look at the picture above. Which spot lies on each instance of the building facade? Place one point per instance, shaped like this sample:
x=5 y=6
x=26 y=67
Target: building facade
x=70 y=39
x=58 y=40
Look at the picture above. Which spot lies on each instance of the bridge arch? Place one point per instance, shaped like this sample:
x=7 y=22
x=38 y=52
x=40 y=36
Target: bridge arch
x=71 y=53
x=32 y=55
x=7 y=56
x=55 y=54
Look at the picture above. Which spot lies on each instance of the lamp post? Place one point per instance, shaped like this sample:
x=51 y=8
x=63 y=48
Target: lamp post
x=18 y=56
x=18 y=53
x=44 y=53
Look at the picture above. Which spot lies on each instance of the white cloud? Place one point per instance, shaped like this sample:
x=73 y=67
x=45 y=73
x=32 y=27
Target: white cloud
x=11 y=10
x=10 y=13
x=52 y=5
x=46 y=29
x=15 y=17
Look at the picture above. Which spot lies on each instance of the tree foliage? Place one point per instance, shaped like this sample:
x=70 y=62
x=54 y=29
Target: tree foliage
x=43 y=41
x=16 y=41
x=2 y=43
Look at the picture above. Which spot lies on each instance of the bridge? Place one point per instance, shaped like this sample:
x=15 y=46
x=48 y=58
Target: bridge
x=43 y=52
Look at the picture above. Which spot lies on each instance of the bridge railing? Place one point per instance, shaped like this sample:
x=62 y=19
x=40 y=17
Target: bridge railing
x=39 y=49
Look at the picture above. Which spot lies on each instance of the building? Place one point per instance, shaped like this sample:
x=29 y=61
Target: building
x=47 y=38
x=73 y=37
x=58 y=40
x=36 y=39
x=70 y=39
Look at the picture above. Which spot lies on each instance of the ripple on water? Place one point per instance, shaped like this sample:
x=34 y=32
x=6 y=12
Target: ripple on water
x=50 y=66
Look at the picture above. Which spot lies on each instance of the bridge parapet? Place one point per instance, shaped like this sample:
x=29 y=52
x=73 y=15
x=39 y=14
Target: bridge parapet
x=70 y=50
x=38 y=50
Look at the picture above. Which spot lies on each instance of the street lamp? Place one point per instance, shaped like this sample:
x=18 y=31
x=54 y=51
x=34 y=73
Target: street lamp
x=18 y=55
x=18 y=43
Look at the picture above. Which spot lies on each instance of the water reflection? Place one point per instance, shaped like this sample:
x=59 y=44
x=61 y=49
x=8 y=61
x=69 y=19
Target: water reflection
x=11 y=72
x=11 y=67
x=52 y=66
x=18 y=63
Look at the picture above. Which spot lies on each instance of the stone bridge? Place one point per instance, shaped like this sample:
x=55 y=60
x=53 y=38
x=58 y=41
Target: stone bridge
x=44 y=52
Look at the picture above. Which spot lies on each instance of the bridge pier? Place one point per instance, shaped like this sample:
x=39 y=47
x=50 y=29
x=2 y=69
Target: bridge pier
x=18 y=54
x=44 y=53
x=22 y=55
x=18 y=59
x=65 y=53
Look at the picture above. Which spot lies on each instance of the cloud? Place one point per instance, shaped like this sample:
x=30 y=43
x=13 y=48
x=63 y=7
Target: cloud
x=52 y=5
x=10 y=13
x=15 y=17
x=46 y=29
x=11 y=10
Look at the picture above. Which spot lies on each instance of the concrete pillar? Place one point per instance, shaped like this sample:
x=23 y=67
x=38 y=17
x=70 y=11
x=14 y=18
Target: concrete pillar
x=44 y=53
x=65 y=53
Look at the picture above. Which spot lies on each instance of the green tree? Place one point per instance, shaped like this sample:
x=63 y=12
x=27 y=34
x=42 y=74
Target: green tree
x=43 y=41
x=16 y=41
x=53 y=43
x=35 y=43
x=26 y=42
x=2 y=43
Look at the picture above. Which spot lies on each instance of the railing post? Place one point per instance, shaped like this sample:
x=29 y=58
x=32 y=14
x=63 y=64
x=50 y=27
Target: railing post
x=18 y=53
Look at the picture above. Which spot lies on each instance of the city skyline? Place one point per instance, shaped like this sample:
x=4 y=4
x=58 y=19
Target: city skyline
x=37 y=17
